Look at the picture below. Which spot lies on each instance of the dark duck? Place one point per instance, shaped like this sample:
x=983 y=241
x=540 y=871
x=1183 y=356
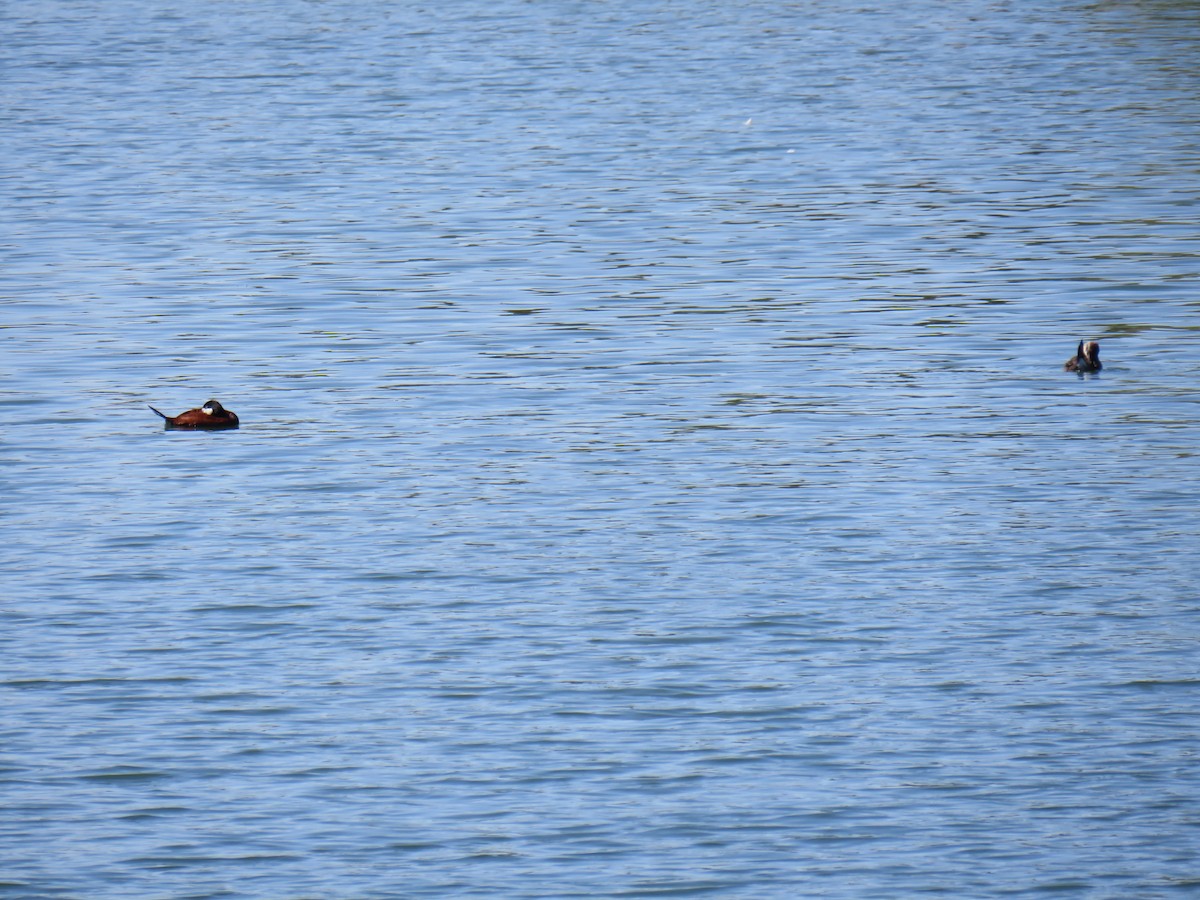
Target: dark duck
x=212 y=416
x=1086 y=358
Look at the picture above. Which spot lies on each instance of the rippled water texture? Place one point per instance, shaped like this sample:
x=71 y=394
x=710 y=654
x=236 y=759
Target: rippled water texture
x=657 y=476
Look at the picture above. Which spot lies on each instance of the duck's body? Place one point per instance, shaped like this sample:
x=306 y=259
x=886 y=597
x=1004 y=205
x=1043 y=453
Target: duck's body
x=212 y=416
x=1086 y=358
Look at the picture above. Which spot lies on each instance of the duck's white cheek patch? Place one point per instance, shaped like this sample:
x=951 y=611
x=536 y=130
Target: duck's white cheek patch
x=207 y=410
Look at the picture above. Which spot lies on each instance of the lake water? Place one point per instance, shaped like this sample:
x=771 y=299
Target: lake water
x=657 y=474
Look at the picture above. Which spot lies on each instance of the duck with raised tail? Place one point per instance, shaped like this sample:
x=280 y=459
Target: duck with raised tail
x=212 y=416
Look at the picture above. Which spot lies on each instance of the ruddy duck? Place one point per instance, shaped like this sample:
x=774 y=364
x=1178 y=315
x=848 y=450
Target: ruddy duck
x=212 y=416
x=1086 y=358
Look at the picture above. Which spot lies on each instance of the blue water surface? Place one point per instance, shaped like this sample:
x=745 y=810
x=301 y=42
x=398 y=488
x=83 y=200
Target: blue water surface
x=657 y=474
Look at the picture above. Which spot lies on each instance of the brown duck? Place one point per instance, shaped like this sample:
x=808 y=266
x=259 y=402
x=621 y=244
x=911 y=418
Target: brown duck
x=212 y=416
x=1086 y=358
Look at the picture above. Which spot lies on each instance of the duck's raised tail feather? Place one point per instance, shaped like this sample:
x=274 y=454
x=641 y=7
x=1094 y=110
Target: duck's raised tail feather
x=164 y=415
